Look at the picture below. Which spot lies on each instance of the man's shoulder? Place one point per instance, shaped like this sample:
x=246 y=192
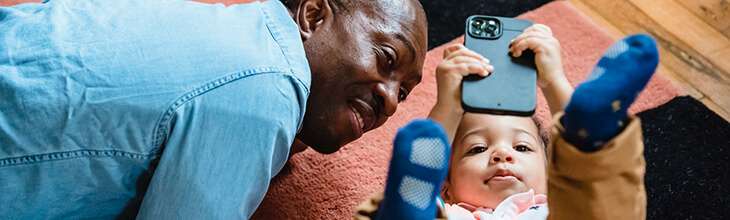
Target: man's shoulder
x=285 y=33
x=258 y=35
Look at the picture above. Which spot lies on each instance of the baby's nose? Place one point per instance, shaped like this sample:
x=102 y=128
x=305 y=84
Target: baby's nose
x=501 y=155
x=505 y=158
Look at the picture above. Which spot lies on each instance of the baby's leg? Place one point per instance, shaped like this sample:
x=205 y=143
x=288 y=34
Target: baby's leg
x=417 y=170
x=596 y=164
x=597 y=110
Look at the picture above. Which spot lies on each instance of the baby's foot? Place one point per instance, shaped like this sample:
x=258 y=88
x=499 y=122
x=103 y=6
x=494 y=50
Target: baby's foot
x=417 y=169
x=597 y=110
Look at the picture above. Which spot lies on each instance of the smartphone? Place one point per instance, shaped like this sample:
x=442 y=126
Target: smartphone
x=512 y=88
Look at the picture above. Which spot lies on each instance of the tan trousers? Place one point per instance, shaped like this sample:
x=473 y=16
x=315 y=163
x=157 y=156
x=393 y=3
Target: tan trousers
x=607 y=184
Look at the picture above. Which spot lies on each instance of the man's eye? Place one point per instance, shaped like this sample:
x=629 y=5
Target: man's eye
x=522 y=148
x=389 y=57
x=402 y=95
x=476 y=150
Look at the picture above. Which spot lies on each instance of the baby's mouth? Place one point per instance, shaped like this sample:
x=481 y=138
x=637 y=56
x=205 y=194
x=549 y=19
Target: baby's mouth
x=501 y=179
x=502 y=176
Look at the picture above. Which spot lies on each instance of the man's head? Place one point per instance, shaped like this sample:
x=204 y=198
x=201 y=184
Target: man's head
x=365 y=57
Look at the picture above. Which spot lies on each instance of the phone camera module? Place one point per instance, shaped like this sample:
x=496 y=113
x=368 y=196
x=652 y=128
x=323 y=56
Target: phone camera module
x=485 y=27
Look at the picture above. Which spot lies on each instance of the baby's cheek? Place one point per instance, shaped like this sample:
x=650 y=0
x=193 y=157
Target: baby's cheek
x=463 y=184
x=537 y=177
x=467 y=193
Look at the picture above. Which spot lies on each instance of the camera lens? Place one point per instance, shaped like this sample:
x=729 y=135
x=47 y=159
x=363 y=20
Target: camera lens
x=477 y=23
x=491 y=26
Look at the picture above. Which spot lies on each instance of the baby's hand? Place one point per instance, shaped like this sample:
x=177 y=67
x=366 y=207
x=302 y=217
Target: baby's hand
x=539 y=38
x=458 y=62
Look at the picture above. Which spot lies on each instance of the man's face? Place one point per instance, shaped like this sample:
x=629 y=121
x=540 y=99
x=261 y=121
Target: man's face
x=364 y=61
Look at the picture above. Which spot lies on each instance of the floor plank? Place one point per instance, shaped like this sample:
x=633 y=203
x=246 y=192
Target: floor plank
x=616 y=34
x=687 y=27
x=687 y=57
x=714 y=12
x=715 y=108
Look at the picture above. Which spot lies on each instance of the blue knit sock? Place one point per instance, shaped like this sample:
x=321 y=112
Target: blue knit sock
x=417 y=170
x=597 y=110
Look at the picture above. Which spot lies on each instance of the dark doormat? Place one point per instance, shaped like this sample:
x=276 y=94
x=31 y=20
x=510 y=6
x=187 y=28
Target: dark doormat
x=687 y=161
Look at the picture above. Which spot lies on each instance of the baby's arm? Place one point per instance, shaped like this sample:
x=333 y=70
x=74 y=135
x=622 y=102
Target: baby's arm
x=551 y=77
x=458 y=62
x=596 y=164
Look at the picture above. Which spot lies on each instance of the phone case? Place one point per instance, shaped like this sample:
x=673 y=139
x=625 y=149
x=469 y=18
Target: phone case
x=511 y=88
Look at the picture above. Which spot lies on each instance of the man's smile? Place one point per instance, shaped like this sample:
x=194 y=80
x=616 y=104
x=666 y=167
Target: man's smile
x=363 y=116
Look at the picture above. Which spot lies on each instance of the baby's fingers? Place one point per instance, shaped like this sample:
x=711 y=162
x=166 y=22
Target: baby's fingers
x=465 y=69
x=487 y=68
x=451 y=49
x=524 y=42
x=540 y=28
x=456 y=71
x=463 y=51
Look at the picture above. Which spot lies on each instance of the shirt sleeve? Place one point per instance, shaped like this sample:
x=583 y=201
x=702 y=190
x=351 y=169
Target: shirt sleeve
x=223 y=148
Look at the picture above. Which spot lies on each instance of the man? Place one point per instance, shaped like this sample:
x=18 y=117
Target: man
x=177 y=109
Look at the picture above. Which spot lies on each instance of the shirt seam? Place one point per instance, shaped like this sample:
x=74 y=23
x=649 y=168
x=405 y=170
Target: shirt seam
x=274 y=33
x=160 y=133
x=65 y=155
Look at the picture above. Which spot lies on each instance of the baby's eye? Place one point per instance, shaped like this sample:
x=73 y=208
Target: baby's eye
x=477 y=149
x=522 y=148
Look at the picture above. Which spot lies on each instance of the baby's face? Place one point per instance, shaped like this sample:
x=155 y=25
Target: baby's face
x=495 y=157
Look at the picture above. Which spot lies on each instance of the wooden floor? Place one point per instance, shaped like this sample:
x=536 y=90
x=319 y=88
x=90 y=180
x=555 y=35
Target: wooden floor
x=694 y=39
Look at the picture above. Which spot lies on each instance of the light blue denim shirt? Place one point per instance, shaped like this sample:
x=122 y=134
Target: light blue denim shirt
x=164 y=109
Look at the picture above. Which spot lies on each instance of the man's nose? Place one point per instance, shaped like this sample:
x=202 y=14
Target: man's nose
x=389 y=94
x=501 y=155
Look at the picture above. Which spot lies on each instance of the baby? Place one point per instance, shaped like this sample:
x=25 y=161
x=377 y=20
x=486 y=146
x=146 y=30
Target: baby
x=502 y=167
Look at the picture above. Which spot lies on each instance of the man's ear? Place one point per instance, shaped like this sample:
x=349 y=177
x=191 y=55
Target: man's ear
x=311 y=15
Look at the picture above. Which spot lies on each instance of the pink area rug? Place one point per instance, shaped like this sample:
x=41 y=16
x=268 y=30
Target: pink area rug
x=316 y=186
